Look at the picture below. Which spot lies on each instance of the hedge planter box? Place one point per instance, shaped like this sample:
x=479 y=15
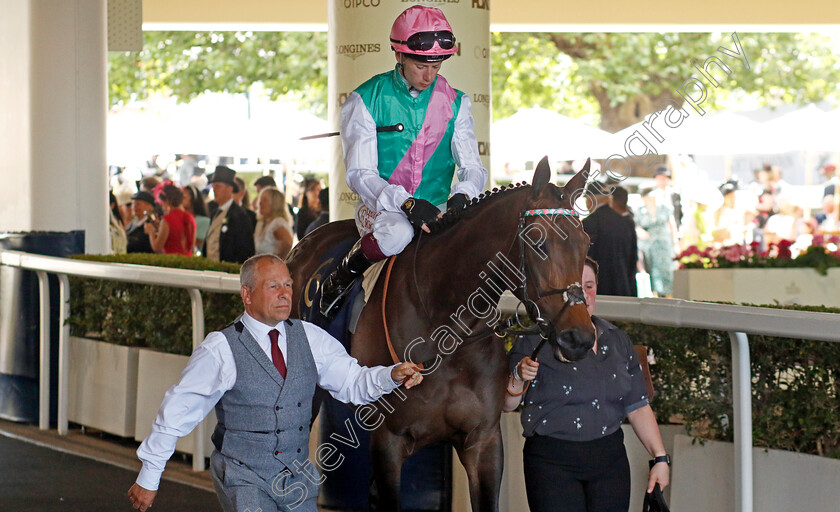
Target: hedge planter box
x=703 y=479
x=102 y=386
x=786 y=286
x=157 y=372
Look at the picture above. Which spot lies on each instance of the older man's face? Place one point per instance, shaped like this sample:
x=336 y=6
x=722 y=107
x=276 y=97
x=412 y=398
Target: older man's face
x=270 y=300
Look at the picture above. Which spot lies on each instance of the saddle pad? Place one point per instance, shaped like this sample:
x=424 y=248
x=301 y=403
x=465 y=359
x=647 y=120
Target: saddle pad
x=368 y=284
x=371 y=276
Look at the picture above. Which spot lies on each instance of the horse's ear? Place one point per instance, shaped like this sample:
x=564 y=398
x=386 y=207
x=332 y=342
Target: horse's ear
x=579 y=179
x=541 y=176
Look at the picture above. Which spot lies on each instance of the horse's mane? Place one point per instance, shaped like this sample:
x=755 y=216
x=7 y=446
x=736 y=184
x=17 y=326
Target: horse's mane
x=451 y=217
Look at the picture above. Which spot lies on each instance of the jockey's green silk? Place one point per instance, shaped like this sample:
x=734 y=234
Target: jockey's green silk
x=420 y=157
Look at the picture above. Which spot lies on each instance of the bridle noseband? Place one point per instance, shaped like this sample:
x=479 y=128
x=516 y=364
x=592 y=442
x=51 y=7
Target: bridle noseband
x=572 y=294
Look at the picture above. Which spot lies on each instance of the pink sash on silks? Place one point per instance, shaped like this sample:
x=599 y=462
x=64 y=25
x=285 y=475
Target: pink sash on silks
x=409 y=172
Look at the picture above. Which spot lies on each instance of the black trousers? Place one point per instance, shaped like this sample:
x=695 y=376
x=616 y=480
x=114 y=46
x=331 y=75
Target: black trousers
x=570 y=476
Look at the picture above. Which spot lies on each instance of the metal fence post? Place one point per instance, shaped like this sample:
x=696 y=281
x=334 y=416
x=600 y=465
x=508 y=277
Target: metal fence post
x=742 y=407
x=63 y=360
x=198 y=336
x=44 y=373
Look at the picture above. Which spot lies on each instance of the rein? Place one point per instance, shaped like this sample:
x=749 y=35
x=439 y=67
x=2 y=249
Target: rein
x=572 y=295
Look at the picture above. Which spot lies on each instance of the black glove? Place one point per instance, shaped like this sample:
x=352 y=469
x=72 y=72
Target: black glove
x=419 y=211
x=457 y=201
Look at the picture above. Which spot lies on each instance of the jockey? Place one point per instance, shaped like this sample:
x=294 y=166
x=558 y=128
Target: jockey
x=404 y=176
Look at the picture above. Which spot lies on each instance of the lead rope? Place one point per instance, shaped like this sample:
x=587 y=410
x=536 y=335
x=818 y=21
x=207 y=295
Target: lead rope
x=384 y=319
x=394 y=357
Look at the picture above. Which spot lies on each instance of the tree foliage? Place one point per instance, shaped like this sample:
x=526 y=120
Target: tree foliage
x=628 y=75
x=611 y=78
x=186 y=64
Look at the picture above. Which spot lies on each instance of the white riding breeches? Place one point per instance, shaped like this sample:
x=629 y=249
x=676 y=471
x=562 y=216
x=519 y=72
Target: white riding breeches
x=391 y=230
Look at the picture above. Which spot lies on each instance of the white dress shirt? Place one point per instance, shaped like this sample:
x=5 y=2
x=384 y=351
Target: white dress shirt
x=211 y=371
x=358 y=138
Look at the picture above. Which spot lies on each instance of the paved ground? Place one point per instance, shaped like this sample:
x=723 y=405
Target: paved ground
x=39 y=477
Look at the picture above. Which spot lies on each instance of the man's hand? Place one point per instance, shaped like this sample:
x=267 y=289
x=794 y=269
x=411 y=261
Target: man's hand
x=406 y=374
x=420 y=212
x=141 y=498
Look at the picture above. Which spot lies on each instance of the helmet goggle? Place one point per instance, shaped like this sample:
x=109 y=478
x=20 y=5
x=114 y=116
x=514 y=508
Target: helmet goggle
x=424 y=41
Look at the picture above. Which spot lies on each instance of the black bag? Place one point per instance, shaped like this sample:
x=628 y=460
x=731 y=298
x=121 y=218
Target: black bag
x=654 y=501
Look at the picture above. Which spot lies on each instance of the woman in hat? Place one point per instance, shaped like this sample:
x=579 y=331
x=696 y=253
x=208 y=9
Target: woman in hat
x=658 y=242
x=729 y=222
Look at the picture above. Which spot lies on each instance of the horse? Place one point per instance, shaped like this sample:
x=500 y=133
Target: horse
x=436 y=307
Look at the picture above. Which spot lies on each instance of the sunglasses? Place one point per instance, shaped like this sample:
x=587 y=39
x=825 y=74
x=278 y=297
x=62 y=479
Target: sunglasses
x=424 y=41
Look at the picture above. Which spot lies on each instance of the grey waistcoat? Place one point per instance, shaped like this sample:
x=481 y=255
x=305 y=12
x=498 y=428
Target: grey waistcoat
x=264 y=420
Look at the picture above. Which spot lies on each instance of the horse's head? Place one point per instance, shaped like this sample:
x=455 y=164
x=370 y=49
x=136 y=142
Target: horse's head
x=553 y=248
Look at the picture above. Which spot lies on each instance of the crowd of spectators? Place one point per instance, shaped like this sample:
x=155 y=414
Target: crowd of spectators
x=212 y=215
x=762 y=214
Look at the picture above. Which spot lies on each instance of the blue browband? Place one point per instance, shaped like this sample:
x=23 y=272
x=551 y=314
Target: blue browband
x=551 y=211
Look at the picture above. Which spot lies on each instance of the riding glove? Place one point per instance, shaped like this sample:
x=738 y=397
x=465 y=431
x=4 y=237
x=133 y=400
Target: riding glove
x=419 y=211
x=457 y=201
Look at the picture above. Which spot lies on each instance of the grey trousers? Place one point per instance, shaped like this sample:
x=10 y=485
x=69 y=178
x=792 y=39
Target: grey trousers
x=240 y=489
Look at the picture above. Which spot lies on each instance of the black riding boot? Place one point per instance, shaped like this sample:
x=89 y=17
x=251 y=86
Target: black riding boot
x=338 y=284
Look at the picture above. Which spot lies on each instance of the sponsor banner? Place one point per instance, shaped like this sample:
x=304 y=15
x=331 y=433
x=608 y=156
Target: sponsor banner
x=359 y=48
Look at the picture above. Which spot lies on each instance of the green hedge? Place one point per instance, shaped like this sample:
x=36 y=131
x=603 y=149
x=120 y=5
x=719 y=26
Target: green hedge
x=147 y=316
x=795 y=383
x=795 y=386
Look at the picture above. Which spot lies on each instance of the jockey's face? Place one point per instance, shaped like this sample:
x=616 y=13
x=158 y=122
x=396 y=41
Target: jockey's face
x=419 y=75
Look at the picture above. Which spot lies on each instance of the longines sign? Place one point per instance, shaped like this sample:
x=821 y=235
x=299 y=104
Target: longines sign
x=357 y=50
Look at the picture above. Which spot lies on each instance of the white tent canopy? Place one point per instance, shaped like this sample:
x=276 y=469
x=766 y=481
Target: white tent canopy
x=214 y=124
x=807 y=129
x=532 y=133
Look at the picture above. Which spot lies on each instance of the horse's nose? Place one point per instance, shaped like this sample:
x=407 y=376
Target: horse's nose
x=573 y=344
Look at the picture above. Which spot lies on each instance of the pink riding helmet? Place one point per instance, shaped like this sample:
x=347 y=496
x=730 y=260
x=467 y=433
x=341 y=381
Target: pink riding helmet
x=423 y=33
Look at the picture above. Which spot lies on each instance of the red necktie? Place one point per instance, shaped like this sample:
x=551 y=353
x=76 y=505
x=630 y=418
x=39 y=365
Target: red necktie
x=276 y=355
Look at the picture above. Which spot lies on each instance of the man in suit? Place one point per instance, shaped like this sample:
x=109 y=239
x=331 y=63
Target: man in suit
x=613 y=239
x=240 y=197
x=263 y=406
x=137 y=239
x=231 y=234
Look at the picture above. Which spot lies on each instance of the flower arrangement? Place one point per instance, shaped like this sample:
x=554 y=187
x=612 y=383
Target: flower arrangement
x=822 y=254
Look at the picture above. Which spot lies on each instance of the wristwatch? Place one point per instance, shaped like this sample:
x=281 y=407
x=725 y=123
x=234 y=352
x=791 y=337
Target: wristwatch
x=662 y=458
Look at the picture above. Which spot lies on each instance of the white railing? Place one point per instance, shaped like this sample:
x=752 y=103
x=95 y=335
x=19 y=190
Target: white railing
x=194 y=281
x=738 y=321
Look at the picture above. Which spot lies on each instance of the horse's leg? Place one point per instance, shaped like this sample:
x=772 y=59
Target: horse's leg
x=483 y=457
x=387 y=456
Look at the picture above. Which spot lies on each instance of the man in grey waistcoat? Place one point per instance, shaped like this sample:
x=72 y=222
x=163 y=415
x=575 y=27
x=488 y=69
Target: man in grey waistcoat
x=263 y=404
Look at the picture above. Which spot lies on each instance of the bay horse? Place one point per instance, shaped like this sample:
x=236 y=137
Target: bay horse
x=440 y=309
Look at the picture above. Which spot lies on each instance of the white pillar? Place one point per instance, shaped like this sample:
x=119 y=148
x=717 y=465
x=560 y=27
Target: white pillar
x=54 y=99
x=359 y=48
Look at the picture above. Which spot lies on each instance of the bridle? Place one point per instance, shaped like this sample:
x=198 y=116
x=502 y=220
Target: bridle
x=572 y=294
